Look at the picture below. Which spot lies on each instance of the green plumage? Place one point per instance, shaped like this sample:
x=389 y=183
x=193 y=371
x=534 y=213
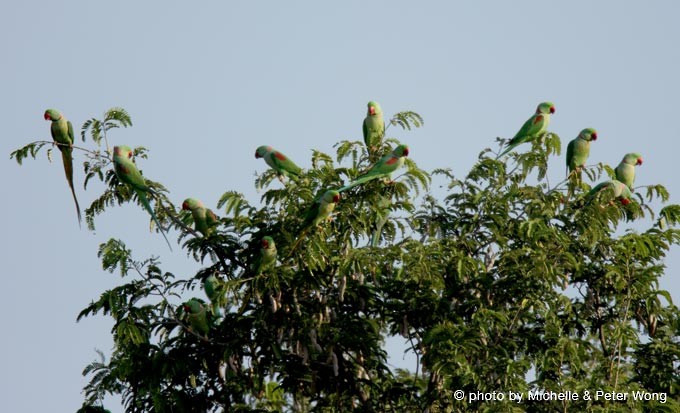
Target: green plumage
x=535 y=126
x=578 y=149
x=383 y=168
x=618 y=188
x=62 y=132
x=204 y=219
x=373 y=126
x=196 y=314
x=321 y=209
x=625 y=171
x=278 y=162
x=266 y=259
x=127 y=173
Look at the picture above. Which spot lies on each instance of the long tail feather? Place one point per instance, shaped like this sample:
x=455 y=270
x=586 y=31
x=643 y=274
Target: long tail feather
x=145 y=201
x=358 y=181
x=68 y=170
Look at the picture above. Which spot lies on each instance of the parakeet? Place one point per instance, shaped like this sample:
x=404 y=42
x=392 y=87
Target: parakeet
x=267 y=257
x=322 y=208
x=373 y=126
x=625 y=172
x=383 y=168
x=197 y=316
x=535 y=126
x=62 y=133
x=278 y=162
x=127 y=172
x=579 y=149
x=619 y=189
x=204 y=219
x=215 y=291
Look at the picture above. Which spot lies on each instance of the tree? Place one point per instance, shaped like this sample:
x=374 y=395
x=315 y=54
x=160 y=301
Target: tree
x=505 y=284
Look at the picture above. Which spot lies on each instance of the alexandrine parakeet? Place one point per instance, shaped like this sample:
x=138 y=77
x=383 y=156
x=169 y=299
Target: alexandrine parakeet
x=535 y=126
x=620 y=191
x=373 y=126
x=278 y=162
x=127 y=173
x=266 y=258
x=321 y=209
x=196 y=314
x=204 y=219
x=62 y=133
x=383 y=168
x=625 y=172
x=579 y=149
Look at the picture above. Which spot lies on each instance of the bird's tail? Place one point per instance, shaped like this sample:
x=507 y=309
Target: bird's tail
x=358 y=181
x=67 y=159
x=145 y=201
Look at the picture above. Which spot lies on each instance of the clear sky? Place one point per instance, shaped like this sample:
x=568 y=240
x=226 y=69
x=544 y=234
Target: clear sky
x=207 y=82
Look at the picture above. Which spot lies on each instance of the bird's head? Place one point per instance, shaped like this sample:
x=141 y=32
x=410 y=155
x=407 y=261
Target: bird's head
x=122 y=151
x=52 y=114
x=190 y=204
x=588 y=134
x=266 y=242
x=401 y=150
x=374 y=108
x=633 y=158
x=261 y=151
x=545 y=108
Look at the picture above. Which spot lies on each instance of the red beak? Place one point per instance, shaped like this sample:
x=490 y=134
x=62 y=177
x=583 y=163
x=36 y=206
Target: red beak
x=639 y=161
x=406 y=152
x=625 y=201
x=47 y=116
x=257 y=155
x=336 y=198
x=265 y=243
x=552 y=109
x=594 y=136
x=371 y=110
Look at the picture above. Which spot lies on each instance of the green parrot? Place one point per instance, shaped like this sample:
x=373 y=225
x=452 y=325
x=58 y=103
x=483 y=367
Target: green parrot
x=383 y=168
x=278 y=162
x=373 y=126
x=197 y=316
x=215 y=291
x=62 y=133
x=267 y=257
x=619 y=189
x=625 y=172
x=535 y=126
x=322 y=208
x=204 y=219
x=127 y=172
x=579 y=149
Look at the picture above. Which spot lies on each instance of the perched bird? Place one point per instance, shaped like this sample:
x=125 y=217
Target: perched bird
x=373 y=126
x=204 y=219
x=383 y=168
x=62 y=133
x=535 y=126
x=215 y=291
x=278 y=162
x=127 y=172
x=625 y=172
x=267 y=257
x=579 y=149
x=322 y=208
x=197 y=316
x=620 y=191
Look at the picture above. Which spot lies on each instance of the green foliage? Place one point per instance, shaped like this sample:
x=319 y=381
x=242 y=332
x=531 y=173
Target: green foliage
x=505 y=284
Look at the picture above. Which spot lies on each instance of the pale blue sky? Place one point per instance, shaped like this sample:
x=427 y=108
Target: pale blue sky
x=207 y=82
